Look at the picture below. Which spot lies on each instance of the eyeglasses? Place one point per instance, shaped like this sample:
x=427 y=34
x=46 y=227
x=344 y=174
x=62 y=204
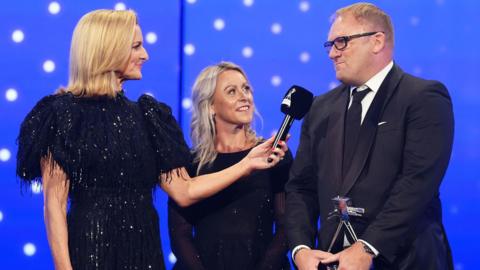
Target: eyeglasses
x=341 y=43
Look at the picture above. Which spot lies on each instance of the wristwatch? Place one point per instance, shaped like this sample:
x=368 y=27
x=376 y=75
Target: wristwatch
x=367 y=249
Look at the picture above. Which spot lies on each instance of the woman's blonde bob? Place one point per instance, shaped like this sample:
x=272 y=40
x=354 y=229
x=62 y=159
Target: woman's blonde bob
x=99 y=52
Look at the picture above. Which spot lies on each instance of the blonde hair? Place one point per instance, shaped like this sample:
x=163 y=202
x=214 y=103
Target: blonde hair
x=369 y=13
x=202 y=125
x=100 y=49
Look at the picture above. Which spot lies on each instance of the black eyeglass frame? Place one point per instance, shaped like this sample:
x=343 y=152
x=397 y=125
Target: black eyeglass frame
x=345 y=39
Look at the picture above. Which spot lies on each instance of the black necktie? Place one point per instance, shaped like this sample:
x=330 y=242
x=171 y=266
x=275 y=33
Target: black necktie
x=352 y=127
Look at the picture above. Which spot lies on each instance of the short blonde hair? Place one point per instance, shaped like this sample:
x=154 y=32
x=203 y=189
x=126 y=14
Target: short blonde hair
x=369 y=13
x=202 y=125
x=100 y=49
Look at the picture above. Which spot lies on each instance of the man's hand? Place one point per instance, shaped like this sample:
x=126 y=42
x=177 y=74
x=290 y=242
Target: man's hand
x=309 y=259
x=352 y=258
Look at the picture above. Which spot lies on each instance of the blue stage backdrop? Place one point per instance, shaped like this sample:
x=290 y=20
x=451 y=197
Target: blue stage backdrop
x=279 y=43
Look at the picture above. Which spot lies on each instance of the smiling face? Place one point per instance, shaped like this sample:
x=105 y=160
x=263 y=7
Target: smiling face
x=352 y=64
x=233 y=100
x=138 y=56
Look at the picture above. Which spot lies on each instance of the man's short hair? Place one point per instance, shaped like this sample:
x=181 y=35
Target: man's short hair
x=370 y=14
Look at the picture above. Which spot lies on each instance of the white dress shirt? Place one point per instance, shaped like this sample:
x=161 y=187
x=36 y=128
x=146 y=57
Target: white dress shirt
x=374 y=84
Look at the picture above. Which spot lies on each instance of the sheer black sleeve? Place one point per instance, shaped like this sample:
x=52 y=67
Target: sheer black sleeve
x=180 y=230
x=279 y=173
x=169 y=144
x=275 y=256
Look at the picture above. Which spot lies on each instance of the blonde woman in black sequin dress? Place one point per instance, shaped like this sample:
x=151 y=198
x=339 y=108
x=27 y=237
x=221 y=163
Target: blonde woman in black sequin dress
x=103 y=155
x=232 y=230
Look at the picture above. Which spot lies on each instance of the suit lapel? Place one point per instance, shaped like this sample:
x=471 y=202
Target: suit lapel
x=334 y=139
x=369 y=128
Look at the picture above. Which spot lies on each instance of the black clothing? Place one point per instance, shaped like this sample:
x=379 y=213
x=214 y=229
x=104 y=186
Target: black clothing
x=112 y=151
x=401 y=156
x=234 y=228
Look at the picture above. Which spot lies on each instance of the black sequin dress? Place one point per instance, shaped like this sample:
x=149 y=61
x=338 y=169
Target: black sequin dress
x=112 y=151
x=234 y=229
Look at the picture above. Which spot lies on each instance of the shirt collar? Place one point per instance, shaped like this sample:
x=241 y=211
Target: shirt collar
x=375 y=82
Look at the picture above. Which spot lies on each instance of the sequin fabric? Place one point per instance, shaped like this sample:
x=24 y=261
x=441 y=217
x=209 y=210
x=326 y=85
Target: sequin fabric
x=112 y=151
x=233 y=230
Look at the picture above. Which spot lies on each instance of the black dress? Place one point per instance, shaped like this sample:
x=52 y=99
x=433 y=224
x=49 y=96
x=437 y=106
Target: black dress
x=234 y=228
x=112 y=151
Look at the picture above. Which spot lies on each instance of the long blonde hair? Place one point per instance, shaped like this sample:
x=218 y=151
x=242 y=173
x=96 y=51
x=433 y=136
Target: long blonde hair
x=202 y=125
x=100 y=50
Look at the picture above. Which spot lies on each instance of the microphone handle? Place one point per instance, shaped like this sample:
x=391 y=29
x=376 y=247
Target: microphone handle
x=283 y=131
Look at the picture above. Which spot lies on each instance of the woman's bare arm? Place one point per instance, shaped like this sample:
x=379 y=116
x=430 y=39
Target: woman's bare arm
x=186 y=190
x=55 y=192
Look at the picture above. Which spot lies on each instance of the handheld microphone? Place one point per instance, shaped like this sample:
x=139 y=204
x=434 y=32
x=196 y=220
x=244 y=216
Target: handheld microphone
x=295 y=105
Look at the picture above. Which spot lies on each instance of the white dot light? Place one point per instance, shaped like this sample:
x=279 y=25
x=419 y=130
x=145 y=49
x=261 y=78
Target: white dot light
x=11 y=94
x=414 y=21
x=304 y=57
x=54 y=8
x=49 y=66
x=36 y=187
x=120 y=6
x=151 y=37
x=18 y=36
x=1 y=216
x=247 y=52
x=248 y=3
x=276 y=80
x=332 y=85
x=276 y=28
x=5 y=154
x=29 y=249
x=149 y=94
x=191 y=1
x=417 y=71
x=189 y=49
x=172 y=258
x=186 y=103
x=219 y=24
x=304 y=6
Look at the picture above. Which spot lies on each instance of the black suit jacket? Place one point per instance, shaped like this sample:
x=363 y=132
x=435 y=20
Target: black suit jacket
x=402 y=153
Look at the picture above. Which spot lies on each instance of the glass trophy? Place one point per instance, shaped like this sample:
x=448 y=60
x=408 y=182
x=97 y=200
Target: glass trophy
x=342 y=211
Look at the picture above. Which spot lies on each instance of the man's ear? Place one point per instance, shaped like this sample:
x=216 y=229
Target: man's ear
x=379 y=40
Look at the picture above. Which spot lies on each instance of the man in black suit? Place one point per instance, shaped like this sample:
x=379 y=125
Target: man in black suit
x=382 y=138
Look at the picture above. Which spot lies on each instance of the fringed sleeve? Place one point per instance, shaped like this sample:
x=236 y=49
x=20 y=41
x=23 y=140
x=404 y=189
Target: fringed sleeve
x=167 y=138
x=39 y=137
